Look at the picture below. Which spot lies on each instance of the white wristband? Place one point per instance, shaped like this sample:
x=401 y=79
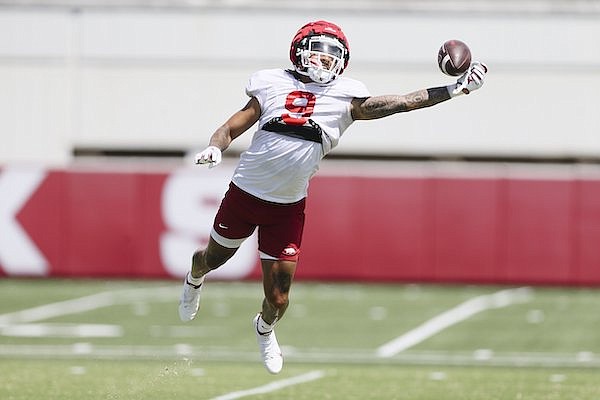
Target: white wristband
x=453 y=90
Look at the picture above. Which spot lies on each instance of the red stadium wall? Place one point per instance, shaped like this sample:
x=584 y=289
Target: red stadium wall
x=90 y=223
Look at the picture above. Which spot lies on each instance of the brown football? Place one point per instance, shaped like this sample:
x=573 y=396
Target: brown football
x=454 y=57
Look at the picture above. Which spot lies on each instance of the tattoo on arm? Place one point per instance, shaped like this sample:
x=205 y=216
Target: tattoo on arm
x=382 y=106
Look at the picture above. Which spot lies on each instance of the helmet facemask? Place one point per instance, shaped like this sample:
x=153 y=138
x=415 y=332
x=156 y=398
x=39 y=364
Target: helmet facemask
x=321 y=58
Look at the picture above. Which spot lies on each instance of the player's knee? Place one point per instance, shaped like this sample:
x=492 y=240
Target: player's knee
x=278 y=296
x=278 y=299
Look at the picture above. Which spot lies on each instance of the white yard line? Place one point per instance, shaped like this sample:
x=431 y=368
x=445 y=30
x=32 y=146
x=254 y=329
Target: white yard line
x=67 y=330
x=273 y=386
x=453 y=316
x=19 y=323
x=86 y=303
x=114 y=297
x=582 y=359
x=58 y=309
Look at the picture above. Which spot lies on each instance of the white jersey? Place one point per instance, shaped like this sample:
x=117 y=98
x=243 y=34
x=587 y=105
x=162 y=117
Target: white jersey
x=277 y=167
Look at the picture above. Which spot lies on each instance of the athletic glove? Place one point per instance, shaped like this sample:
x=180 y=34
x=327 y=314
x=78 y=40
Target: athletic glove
x=470 y=80
x=211 y=156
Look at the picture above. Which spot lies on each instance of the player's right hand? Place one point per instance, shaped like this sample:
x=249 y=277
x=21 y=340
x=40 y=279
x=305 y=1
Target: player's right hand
x=471 y=80
x=211 y=156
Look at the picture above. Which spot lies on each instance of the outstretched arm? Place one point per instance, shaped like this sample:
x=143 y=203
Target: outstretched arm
x=237 y=124
x=382 y=106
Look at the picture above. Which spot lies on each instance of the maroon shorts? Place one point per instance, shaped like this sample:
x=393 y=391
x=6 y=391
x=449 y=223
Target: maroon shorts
x=280 y=226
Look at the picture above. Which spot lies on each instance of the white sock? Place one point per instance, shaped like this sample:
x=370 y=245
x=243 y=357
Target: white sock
x=195 y=281
x=263 y=327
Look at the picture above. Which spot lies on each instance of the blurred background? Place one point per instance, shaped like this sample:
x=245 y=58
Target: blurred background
x=102 y=103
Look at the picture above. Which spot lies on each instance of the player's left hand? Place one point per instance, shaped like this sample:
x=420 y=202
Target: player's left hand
x=211 y=156
x=471 y=80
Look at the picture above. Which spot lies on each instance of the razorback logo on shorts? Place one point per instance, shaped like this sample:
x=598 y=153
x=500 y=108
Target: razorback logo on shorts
x=290 y=252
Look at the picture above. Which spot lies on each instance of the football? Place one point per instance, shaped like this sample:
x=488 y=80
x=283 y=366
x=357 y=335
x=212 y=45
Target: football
x=454 y=57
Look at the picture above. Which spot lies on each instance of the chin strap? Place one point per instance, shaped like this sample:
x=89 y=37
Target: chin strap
x=317 y=75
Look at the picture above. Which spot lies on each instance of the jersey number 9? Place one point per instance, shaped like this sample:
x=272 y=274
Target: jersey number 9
x=302 y=104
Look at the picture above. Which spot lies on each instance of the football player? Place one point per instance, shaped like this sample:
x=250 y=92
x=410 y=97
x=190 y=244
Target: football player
x=302 y=113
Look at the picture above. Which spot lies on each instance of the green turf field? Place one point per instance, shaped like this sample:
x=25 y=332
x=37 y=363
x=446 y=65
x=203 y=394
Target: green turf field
x=95 y=339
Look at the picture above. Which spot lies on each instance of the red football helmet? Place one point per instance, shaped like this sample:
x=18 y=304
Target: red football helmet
x=320 y=51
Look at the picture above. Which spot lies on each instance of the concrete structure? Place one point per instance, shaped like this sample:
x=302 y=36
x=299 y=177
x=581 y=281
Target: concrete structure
x=160 y=77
